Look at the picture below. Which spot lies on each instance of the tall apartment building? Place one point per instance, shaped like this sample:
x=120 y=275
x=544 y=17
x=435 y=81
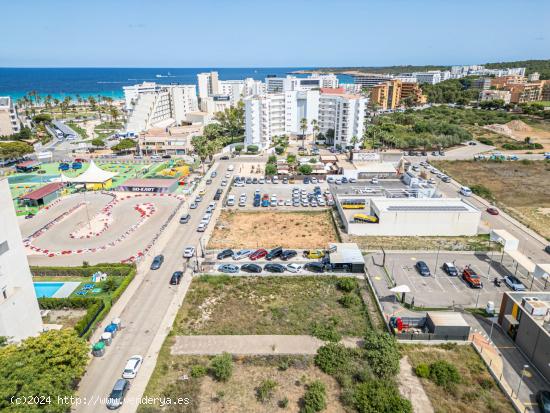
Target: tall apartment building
x=369 y=80
x=281 y=113
x=520 y=90
x=432 y=77
x=152 y=105
x=276 y=84
x=387 y=95
x=208 y=84
x=9 y=123
x=19 y=312
x=483 y=83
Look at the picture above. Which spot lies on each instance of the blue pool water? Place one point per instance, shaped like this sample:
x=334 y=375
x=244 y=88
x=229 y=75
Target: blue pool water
x=46 y=289
x=20 y=179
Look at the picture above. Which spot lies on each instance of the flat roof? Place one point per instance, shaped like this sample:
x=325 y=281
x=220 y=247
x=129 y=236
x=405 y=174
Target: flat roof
x=26 y=164
x=157 y=182
x=44 y=191
x=374 y=166
x=422 y=205
x=447 y=318
x=346 y=253
x=63 y=128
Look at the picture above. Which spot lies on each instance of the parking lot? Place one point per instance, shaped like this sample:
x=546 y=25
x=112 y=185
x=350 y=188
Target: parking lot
x=440 y=289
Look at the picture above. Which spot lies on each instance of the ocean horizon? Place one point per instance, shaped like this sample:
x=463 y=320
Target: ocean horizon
x=62 y=82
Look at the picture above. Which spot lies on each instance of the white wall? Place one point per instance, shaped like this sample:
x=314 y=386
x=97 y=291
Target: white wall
x=19 y=312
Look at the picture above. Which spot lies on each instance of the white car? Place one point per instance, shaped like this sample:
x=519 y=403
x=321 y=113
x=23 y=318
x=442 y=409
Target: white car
x=228 y=175
x=293 y=267
x=188 y=252
x=212 y=206
x=464 y=190
x=201 y=227
x=280 y=202
x=288 y=202
x=224 y=182
x=230 y=168
x=261 y=181
x=132 y=367
x=239 y=255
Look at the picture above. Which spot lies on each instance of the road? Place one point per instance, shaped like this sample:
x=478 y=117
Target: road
x=146 y=309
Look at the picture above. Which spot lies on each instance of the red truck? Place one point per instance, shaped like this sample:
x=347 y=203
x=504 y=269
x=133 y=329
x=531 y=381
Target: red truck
x=471 y=277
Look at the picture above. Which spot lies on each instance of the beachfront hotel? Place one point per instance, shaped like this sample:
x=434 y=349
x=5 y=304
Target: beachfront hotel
x=19 y=312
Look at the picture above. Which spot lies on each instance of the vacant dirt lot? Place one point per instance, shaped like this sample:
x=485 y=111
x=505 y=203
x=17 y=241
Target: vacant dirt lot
x=521 y=188
x=476 y=393
x=267 y=305
x=476 y=243
x=271 y=229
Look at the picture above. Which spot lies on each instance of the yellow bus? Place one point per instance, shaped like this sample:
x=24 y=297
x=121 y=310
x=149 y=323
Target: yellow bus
x=353 y=203
x=369 y=219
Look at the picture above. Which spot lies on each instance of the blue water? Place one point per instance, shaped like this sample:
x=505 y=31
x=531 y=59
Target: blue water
x=19 y=179
x=61 y=82
x=46 y=289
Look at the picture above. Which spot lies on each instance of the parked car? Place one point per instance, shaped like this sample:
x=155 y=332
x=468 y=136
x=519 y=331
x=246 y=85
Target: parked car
x=543 y=400
x=288 y=254
x=239 y=255
x=176 y=277
x=225 y=254
x=492 y=211
x=422 y=268
x=201 y=227
x=193 y=205
x=273 y=267
x=228 y=268
x=274 y=253
x=256 y=255
x=547 y=249
x=255 y=268
x=471 y=278
x=213 y=174
x=184 y=219
x=132 y=367
x=198 y=199
x=293 y=267
x=514 y=283
x=116 y=398
x=188 y=252
x=315 y=267
x=450 y=269
x=157 y=262
x=314 y=254
x=464 y=190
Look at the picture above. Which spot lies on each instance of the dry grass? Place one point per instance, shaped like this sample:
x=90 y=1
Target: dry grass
x=67 y=318
x=266 y=305
x=522 y=189
x=477 y=243
x=477 y=392
x=271 y=229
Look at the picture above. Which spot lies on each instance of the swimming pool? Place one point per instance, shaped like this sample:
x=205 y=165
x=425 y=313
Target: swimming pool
x=54 y=289
x=21 y=179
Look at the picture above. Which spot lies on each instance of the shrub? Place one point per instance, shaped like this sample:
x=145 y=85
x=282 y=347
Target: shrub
x=305 y=169
x=486 y=141
x=279 y=150
x=239 y=148
x=382 y=353
x=379 y=396
x=252 y=148
x=326 y=331
x=346 y=284
x=315 y=398
x=349 y=300
x=332 y=358
x=264 y=391
x=272 y=159
x=482 y=191
x=270 y=169
x=221 y=367
x=198 y=371
x=283 y=403
x=422 y=370
x=444 y=374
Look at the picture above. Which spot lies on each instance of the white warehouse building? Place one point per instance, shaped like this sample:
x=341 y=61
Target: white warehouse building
x=19 y=312
x=412 y=217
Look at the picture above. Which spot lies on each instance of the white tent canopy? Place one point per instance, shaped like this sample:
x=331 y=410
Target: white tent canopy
x=401 y=289
x=94 y=174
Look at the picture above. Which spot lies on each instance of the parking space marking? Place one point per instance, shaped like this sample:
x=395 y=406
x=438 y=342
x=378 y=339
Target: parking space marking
x=403 y=268
x=439 y=284
x=450 y=282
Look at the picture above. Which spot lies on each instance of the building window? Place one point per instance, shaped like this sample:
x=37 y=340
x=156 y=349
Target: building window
x=4 y=247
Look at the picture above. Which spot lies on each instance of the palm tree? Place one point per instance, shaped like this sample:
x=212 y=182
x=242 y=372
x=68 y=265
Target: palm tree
x=114 y=113
x=354 y=141
x=316 y=129
x=303 y=128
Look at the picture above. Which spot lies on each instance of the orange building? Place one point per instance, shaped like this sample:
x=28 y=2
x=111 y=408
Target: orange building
x=390 y=95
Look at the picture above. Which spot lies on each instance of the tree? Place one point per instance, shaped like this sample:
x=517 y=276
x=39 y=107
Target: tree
x=14 y=150
x=332 y=358
x=264 y=392
x=98 y=143
x=124 y=145
x=270 y=169
x=382 y=353
x=49 y=365
x=315 y=127
x=231 y=121
x=303 y=128
x=221 y=367
x=315 y=398
x=114 y=113
x=305 y=169
x=379 y=396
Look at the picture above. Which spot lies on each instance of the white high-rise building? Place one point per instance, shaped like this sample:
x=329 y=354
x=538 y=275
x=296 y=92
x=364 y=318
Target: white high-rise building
x=276 y=114
x=9 y=124
x=19 y=312
x=152 y=105
x=208 y=84
x=292 y=83
x=432 y=77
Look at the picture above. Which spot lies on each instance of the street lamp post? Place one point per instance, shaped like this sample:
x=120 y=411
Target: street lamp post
x=525 y=367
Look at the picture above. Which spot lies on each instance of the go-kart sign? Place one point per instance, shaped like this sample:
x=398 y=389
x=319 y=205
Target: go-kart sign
x=145 y=189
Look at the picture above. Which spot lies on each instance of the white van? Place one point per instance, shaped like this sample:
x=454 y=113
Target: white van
x=231 y=200
x=230 y=168
x=464 y=190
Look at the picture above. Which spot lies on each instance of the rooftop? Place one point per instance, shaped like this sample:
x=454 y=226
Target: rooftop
x=44 y=191
x=422 y=205
x=345 y=253
x=177 y=131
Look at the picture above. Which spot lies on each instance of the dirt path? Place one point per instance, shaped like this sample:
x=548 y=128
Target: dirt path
x=411 y=388
x=251 y=345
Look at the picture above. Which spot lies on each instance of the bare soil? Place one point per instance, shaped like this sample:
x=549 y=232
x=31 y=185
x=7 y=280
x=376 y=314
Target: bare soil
x=271 y=229
x=67 y=318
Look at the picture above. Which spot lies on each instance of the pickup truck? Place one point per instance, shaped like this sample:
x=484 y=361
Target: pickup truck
x=471 y=278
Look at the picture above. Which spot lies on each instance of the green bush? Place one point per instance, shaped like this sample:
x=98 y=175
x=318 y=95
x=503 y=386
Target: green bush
x=346 y=284
x=315 y=398
x=305 y=169
x=125 y=282
x=270 y=169
x=221 y=367
x=283 y=403
x=332 y=358
x=379 y=396
x=422 y=370
x=349 y=300
x=382 y=353
x=198 y=371
x=272 y=159
x=252 y=148
x=238 y=148
x=264 y=392
x=47 y=303
x=326 y=332
x=279 y=150
x=482 y=191
x=444 y=374
x=486 y=141
x=113 y=270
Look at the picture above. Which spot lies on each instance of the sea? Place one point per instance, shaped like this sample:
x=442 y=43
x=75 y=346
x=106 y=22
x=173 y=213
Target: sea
x=61 y=82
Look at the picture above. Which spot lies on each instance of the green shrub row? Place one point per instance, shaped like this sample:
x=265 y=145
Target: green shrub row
x=47 y=303
x=116 y=270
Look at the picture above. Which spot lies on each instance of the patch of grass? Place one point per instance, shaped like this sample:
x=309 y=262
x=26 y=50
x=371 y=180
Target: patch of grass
x=475 y=392
x=268 y=305
x=465 y=243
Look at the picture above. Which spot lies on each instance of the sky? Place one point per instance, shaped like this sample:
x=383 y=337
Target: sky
x=281 y=33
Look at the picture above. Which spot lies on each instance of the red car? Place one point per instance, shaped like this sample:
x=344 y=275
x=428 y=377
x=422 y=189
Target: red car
x=256 y=255
x=492 y=211
x=471 y=278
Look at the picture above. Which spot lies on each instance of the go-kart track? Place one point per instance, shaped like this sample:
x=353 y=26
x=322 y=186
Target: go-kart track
x=98 y=227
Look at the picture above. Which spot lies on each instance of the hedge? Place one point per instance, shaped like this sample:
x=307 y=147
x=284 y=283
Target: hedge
x=47 y=303
x=114 y=270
